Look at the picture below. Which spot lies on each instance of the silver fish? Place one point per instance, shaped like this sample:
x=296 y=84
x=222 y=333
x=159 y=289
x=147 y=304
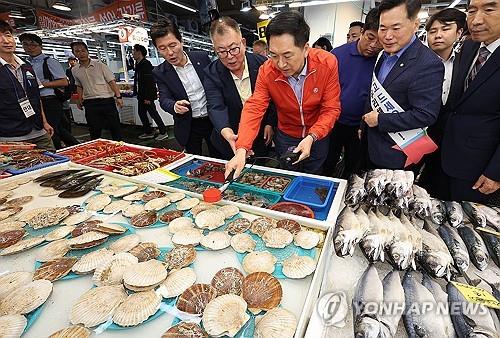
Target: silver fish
x=474 y=214
x=421 y=204
x=434 y=257
x=456 y=246
x=375 y=181
x=349 y=231
x=356 y=191
x=415 y=236
x=394 y=304
x=420 y=317
x=492 y=216
x=368 y=291
x=438 y=211
x=455 y=213
x=492 y=243
x=377 y=237
x=398 y=185
x=401 y=249
x=478 y=252
x=441 y=298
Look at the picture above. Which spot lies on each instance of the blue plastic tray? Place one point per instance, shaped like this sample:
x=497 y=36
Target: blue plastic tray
x=58 y=159
x=302 y=190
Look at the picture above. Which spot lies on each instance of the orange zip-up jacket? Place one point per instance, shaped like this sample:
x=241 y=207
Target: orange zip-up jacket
x=320 y=100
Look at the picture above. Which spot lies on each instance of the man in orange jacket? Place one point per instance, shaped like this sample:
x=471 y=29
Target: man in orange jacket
x=304 y=85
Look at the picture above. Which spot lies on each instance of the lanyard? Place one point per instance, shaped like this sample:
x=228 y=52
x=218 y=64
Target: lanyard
x=13 y=79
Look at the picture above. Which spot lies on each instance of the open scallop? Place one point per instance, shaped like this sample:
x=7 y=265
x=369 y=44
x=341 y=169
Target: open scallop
x=216 y=240
x=276 y=323
x=12 y=325
x=111 y=272
x=259 y=261
x=97 y=202
x=179 y=224
x=157 y=204
x=26 y=298
x=187 y=203
x=210 y=219
x=177 y=282
x=59 y=233
x=187 y=237
x=261 y=291
x=55 y=249
x=133 y=210
x=242 y=243
x=195 y=298
x=229 y=210
x=90 y=261
x=137 y=308
x=306 y=239
x=75 y=331
x=12 y=280
x=144 y=275
x=297 y=266
x=225 y=315
x=125 y=243
x=277 y=238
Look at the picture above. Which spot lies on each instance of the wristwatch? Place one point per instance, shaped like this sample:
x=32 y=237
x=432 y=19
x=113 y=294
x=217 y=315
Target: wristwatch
x=314 y=137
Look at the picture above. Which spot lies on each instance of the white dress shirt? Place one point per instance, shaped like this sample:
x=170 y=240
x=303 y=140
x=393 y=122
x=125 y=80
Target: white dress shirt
x=448 y=72
x=243 y=85
x=194 y=89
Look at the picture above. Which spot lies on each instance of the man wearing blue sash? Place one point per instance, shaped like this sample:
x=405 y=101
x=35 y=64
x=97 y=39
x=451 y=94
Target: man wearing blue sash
x=405 y=96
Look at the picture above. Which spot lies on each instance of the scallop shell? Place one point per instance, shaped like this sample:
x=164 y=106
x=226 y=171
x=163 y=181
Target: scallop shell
x=87 y=240
x=179 y=224
x=144 y=219
x=202 y=206
x=216 y=240
x=290 y=225
x=125 y=243
x=74 y=209
x=297 y=266
x=260 y=225
x=11 y=237
x=4 y=214
x=50 y=217
x=22 y=245
x=110 y=228
x=157 y=204
x=12 y=280
x=225 y=315
x=26 y=298
x=27 y=215
x=97 y=305
x=228 y=280
x=124 y=191
x=195 y=298
x=187 y=203
x=169 y=216
x=242 y=243
x=259 y=261
x=77 y=218
x=210 y=219
x=180 y=257
x=9 y=186
x=276 y=323
x=12 y=326
x=59 y=233
x=97 y=202
x=23 y=180
x=137 y=308
x=55 y=249
x=133 y=210
x=76 y=331
x=145 y=251
x=89 y=262
x=116 y=206
x=229 y=210
x=277 y=238
x=18 y=201
x=111 y=272
x=108 y=189
x=238 y=226
x=10 y=224
x=152 y=195
x=187 y=237
x=48 y=192
x=177 y=282
x=146 y=274
x=85 y=227
x=306 y=239
x=176 y=196
x=136 y=196
x=185 y=330
x=261 y=291
x=5 y=193
x=55 y=269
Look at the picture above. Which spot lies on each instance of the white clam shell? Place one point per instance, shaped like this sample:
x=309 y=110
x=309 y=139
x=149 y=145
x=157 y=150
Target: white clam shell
x=86 y=239
x=89 y=262
x=5 y=193
x=12 y=326
x=9 y=186
x=306 y=239
x=123 y=191
x=187 y=237
x=145 y=274
x=242 y=243
x=157 y=204
x=12 y=280
x=48 y=192
x=277 y=238
x=11 y=225
x=276 y=323
x=187 y=203
x=97 y=305
x=179 y=224
x=77 y=218
x=133 y=210
x=136 y=196
x=136 y=308
x=116 y=206
x=22 y=245
x=108 y=189
x=175 y=196
x=210 y=219
x=177 y=282
x=97 y=202
x=125 y=243
x=55 y=249
x=59 y=233
x=297 y=266
x=49 y=217
x=26 y=298
x=229 y=210
x=225 y=315
x=216 y=240
x=111 y=271
x=257 y=261
x=75 y=331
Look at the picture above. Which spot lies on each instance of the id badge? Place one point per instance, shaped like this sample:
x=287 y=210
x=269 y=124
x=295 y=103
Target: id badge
x=26 y=107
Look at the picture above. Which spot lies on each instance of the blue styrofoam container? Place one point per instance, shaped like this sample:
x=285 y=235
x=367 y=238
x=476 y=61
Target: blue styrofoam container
x=302 y=190
x=58 y=159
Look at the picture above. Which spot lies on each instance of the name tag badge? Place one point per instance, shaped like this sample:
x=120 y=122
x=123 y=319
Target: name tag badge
x=26 y=107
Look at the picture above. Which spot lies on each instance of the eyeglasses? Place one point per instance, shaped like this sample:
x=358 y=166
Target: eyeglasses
x=225 y=53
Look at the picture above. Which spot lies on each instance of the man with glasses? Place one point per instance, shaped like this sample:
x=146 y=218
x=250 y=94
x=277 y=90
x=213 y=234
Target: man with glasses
x=179 y=80
x=229 y=82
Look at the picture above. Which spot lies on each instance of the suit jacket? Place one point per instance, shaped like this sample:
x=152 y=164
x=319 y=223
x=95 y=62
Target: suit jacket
x=144 y=83
x=172 y=90
x=471 y=140
x=415 y=83
x=224 y=102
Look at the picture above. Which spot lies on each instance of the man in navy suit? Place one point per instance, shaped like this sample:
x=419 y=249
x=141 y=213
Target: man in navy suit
x=229 y=82
x=411 y=74
x=179 y=79
x=471 y=142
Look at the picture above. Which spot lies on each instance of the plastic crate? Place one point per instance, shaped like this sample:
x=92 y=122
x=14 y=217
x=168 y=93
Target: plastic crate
x=97 y=147
x=183 y=183
x=240 y=189
x=303 y=190
x=58 y=159
x=197 y=164
x=7 y=146
x=265 y=183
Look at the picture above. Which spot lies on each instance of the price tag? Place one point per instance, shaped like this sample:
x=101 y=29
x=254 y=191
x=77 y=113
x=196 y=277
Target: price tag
x=477 y=295
x=26 y=107
x=493 y=232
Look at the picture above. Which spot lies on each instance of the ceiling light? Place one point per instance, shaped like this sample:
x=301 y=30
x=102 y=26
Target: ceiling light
x=175 y=3
x=278 y=6
x=16 y=15
x=261 y=8
x=314 y=3
x=454 y=3
x=264 y=16
x=61 y=5
x=423 y=15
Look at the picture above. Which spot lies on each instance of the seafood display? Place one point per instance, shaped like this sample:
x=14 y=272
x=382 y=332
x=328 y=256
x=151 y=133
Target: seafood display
x=83 y=151
x=25 y=159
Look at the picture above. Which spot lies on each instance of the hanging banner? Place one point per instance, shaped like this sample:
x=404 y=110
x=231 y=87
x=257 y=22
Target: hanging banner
x=5 y=16
x=134 y=35
x=111 y=12
x=261 y=29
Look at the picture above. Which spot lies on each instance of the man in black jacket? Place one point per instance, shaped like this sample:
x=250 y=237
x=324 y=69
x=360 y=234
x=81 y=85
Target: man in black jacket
x=145 y=89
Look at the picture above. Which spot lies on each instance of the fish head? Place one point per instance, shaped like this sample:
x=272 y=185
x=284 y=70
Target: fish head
x=481 y=258
x=461 y=261
x=366 y=327
x=401 y=254
x=436 y=265
x=372 y=246
x=345 y=242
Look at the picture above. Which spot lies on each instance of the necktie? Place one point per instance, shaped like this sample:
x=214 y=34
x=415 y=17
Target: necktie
x=481 y=59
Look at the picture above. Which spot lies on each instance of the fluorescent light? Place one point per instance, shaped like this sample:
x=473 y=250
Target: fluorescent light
x=454 y=3
x=61 y=5
x=16 y=15
x=263 y=16
x=175 y=3
x=261 y=8
x=314 y=3
x=278 y=6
